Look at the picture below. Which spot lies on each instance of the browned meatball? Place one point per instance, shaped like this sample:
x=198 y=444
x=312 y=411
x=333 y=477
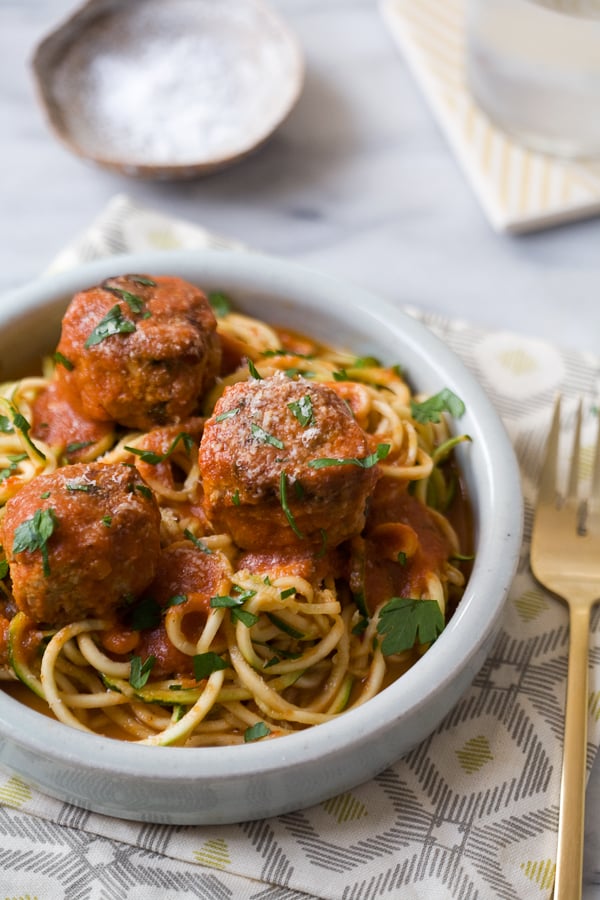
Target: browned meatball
x=258 y=462
x=138 y=350
x=80 y=541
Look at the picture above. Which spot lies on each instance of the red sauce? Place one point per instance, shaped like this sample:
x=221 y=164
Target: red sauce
x=59 y=422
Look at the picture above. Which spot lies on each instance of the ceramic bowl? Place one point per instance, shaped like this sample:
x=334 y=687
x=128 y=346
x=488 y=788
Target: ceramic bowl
x=249 y=781
x=168 y=90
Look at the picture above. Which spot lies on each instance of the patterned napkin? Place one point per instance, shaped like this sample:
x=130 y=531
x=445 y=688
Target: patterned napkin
x=470 y=813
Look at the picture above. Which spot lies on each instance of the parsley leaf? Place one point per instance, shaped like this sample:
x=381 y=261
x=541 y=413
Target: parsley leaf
x=254 y=371
x=62 y=360
x=142 y=279
x=86 y=487
x=284 y=505
x=33 y=534
x=114 y=322
x=136 y=304
x=22 y=425
x=255 y=732
x=14 y=460
x=405 y=621
x=220 y=303
x=78 y=445
x=140 y=671
x=303 y=410
x=6 y=426
x=207 y=663
x=227 y=415
x=263 y=437
x=146 y=614
x=152 y=458
x=234 y=602
x=200 y=545
x=430 y=410
x=365 y=462
x=365 y=362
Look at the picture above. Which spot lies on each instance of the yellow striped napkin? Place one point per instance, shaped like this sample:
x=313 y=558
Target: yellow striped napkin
x=520 y=190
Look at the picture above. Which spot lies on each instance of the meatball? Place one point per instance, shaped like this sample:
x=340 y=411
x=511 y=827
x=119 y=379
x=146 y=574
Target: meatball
x=139 y=351
x=184 y=571
x=80 y=541
x=261 y=463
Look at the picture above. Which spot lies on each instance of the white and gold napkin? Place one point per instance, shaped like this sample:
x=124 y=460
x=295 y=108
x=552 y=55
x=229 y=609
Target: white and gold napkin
x=519 y=190
x=470 y=813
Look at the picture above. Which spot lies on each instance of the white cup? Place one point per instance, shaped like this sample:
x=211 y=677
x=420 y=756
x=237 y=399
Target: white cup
x=533 y=66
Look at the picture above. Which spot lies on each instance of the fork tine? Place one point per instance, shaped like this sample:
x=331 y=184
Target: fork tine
x=547 y=484
x=574 y=468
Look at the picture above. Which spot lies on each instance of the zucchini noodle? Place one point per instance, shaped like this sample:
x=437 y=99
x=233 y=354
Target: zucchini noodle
x=276 y=647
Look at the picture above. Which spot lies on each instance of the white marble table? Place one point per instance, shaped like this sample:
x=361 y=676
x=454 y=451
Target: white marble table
x=360 y=182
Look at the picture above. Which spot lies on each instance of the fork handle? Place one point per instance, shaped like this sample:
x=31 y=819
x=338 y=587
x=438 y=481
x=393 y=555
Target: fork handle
x=569 y=856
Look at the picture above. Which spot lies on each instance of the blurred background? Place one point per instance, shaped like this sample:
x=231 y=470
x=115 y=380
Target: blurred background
x=360 y=181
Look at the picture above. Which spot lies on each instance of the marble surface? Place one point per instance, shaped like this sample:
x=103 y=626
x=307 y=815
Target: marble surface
x=359 y=182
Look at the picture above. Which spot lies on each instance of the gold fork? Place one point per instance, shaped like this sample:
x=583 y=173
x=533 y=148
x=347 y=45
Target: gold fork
x=565 y=558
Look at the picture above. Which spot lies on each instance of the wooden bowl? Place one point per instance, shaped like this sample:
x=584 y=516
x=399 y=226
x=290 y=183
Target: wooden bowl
x=168 y=90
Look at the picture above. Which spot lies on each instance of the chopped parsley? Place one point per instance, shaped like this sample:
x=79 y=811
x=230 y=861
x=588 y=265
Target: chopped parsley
x=114 y=322
x=244 y=616
x=142 y=279
x=263 y=437
x=233 y=600
x=176 y=600
x=135 y=303
x=34 y=533
x=254 y=371
x=404 y=622
x=60 y=359
x=22 y=425
x=283 y=626
x=78 y=445
x=430 y=410
x=220 y=303
x=296 y=370
x=366 y=362
x=3 y=569
x=227 y=415
x=200 y=545
x=302 y=410
x=153 y=459
x=282 y=351
x=234 y=603
x=6 y=426
x=13 y=460
x=145 y=614
x=256 y=732
x=284 y=505
x=365 y=462
x=140 y=671
x=235 y=497
x=207 y=663
x=288 y=592
x=86 y=487
x=142 y=489
x=341 y=375
x=106 y=521
x=323 y=547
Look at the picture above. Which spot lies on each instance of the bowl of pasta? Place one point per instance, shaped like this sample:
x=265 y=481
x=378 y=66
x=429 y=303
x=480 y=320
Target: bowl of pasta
x=255 y=537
